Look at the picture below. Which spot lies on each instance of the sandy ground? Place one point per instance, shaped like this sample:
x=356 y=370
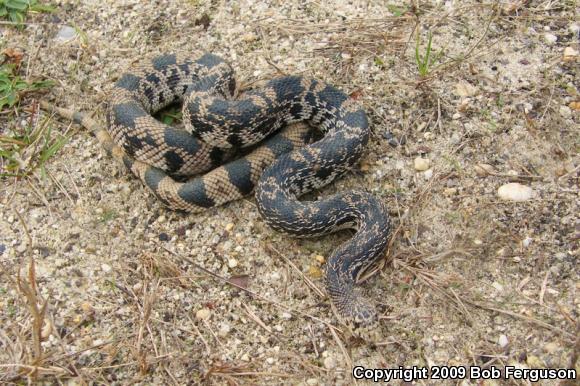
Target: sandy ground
x=116 y=293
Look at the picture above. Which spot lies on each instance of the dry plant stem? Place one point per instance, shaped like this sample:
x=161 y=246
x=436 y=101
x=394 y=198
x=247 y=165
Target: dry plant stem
x=28 y=288
x=252 y=293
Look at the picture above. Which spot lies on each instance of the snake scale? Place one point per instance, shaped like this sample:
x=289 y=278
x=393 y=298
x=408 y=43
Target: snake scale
x=285 y=165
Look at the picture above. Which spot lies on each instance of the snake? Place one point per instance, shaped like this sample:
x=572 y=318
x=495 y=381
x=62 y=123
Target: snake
x=195 y=168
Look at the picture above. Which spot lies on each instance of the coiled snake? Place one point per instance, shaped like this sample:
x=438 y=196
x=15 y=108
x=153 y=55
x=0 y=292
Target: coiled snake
x=217 y=125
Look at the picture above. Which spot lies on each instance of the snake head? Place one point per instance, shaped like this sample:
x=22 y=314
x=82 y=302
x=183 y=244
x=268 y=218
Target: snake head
x=353 y=309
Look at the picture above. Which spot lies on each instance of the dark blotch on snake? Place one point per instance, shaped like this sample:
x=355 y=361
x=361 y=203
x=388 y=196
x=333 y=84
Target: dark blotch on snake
x=194 y=192
x=126 y=114
x=173 y=161
x=239 y=172
x=162 y=61
x=181 y=139
x=128 y=82
x=209 y=60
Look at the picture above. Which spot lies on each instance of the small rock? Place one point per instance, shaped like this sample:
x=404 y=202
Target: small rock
x=428 y=174
x=526 y=242
x=106 y=268
x=2 y=249
x=503 y=341
x=329 y=362
x=224 y=330
x=551 y=347
x=21 y=248
x=497 y=286
x=65 y=34
x=575 y=105
x=286 y=315
x=456 y=116
x=249 y=37
x=163 y=237
x=450 y=191
x=365 y=167
x=390 y=138
x=232 y=263
x=421 y=164
x=203 y=314
x=312 y=381
x=465 y=89
x=515 y=192
x=314 y=272
x=550 y=38
x=484 y=170
x=245 y=357
x=570 y=54
x=46 y=329
x=565 y=112
x=229 y=227
x=270 y=360
x=319 y=258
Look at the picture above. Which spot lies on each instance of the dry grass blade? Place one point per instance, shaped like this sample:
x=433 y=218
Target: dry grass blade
x=308 y=282
x=252 y=293
x=358 y=36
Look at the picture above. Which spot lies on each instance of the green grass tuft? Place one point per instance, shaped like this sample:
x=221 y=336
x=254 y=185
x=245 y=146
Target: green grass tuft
x=16 y=10
x=13 y=87
x=28 y=150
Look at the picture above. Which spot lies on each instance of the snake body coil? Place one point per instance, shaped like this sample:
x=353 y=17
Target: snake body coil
x=218 y=124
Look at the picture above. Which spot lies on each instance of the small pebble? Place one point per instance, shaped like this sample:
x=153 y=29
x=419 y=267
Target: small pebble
x=319 y=258
x=570 y=54
x=550 y=38
x=2 y=249
x=163 y=237
x=515 y=192
x=497 y=286
x=312 y=381
x=465 y=89
x=390 y=138
x=203 y=314
x=450 y=191
x=270 y=360
x=428 y=174
x=229 y=227
x=551 y=347
x=224 y=330
x=314 y=272
x=46 y=329
x=232 y=263
x=106 y=268
x=565 y=112
x=484 y=170
x=526 y=242
x=286 y=315
x=329 y=362
x=65 y=34
x=503 y=341
x=421 y=164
